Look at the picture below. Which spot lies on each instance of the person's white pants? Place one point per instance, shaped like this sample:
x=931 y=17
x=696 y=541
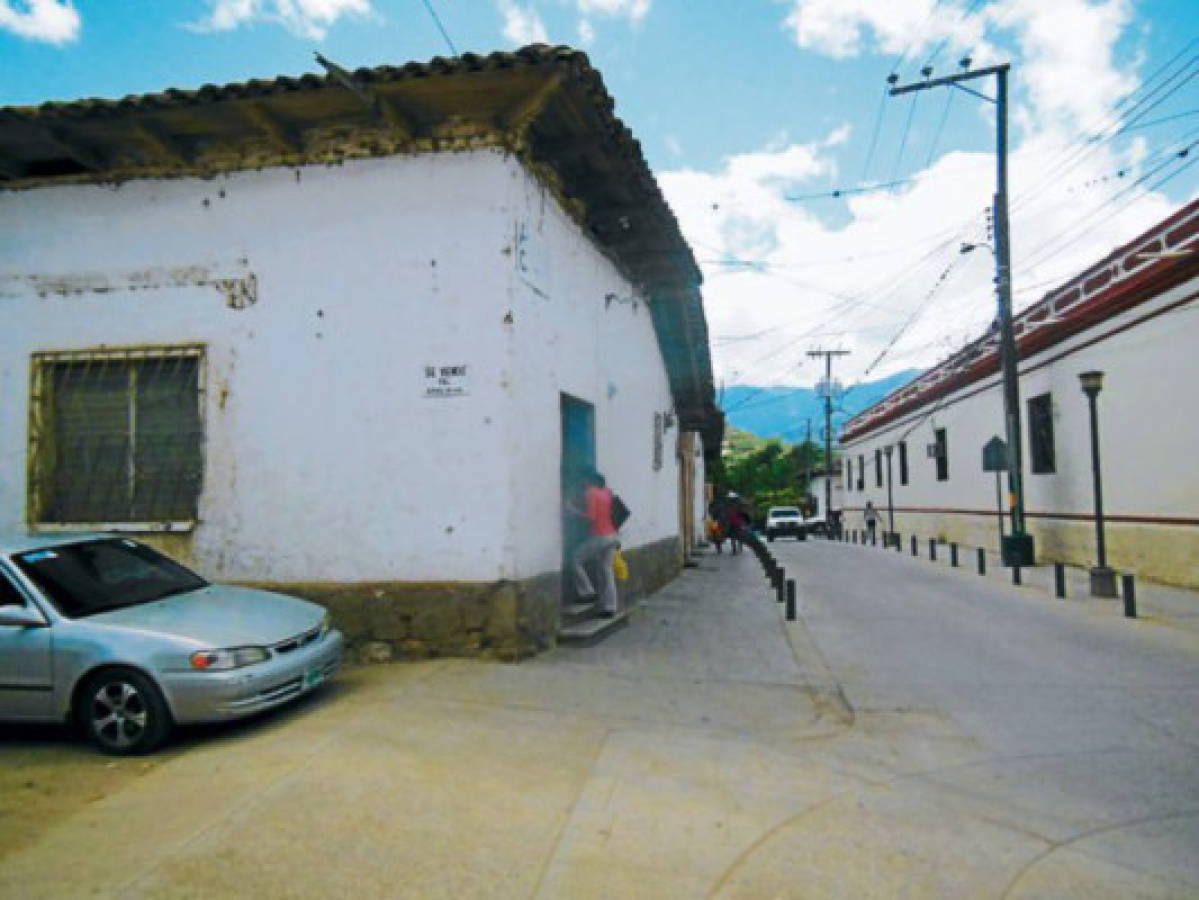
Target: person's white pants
x=601 y=549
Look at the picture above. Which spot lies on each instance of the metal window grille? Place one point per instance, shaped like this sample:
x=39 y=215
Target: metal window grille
x=1040 y=434
x=903 y=462
x=878 y=467
x=116 y=437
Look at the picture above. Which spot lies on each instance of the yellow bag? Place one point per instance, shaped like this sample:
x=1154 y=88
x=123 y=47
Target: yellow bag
x=620 y=567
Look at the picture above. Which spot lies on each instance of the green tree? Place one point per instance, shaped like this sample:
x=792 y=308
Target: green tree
x=768 y=472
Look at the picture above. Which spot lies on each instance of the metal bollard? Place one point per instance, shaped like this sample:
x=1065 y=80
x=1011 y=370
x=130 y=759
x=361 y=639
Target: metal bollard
x=1059 y=580
x=953 y=555
x=1015 y=575
x=898 y=541
x=780 y=587
x=790 y=599
x=874 y=539
x=1130 y=596
x=915 y=547
x=982 y=561
x=932 y=549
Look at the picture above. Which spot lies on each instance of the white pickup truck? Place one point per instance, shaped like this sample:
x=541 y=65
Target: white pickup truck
x=782 y=520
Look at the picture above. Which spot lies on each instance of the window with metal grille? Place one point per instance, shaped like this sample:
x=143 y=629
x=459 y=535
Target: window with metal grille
x=116 y=437
x=878 y=467
x=861 y=472
x=903 y=462
x=1040 y=433
x=941 y=452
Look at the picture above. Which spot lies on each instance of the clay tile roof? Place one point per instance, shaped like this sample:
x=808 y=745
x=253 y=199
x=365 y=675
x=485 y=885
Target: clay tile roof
x=546 y=104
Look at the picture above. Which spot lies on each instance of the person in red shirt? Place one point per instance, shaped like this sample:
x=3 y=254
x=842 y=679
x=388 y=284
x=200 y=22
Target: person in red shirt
x=599 y=546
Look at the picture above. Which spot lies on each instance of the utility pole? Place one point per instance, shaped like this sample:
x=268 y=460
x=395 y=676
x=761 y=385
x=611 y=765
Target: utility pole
x=1017 y=547
x=807 y=456
x=828 y=426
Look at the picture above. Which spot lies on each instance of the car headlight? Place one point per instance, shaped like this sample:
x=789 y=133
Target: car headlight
x=230 y=658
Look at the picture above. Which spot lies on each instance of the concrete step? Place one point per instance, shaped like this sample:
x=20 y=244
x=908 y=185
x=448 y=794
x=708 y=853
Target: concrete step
x=580 y=611
x=590 y=631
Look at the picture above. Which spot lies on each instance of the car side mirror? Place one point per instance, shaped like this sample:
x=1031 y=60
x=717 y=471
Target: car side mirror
x=21 y=617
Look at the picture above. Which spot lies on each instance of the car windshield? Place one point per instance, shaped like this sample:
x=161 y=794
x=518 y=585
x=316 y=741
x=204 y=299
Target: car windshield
x=785 y=514
x=96 y=576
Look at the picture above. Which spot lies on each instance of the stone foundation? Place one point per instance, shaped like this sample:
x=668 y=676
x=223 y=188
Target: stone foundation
x=507 y=620
x=1161 y=553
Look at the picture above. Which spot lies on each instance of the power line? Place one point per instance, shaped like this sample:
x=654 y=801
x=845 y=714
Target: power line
x=904 y=140
x=440 y=27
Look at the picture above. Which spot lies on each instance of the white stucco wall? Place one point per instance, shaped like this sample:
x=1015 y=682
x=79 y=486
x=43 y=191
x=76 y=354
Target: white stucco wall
x=567 y=336
x=323 y=458
x=1148 y=434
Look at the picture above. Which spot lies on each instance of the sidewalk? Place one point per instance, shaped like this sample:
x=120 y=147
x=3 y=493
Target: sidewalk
x=704 y=751
x=640 y=767
x=1163 y=604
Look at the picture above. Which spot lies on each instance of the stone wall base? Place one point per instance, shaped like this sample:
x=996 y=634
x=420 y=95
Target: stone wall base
x=506 y=620
x=1161 y=553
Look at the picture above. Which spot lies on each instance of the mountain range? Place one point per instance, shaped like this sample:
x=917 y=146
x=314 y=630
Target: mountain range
x=783 y=412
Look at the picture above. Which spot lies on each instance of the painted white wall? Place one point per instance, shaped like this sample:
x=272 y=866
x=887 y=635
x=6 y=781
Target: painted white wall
x=817 y=491
x=568 y=336
x=323 y=459
x=1148 y=432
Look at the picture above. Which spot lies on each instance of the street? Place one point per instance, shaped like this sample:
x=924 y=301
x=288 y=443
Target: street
x=918 y=732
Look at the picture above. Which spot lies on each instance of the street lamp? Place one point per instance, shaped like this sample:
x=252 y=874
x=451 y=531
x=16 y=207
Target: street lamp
x=1103 y=579
x=890 y=535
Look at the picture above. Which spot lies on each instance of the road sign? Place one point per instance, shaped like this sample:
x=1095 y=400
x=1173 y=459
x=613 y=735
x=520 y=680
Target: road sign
x=995 y=455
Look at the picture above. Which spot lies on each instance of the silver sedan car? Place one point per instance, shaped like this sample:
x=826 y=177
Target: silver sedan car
x=125 y=642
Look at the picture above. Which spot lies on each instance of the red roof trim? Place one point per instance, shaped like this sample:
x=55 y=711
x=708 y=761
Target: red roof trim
x=1114 y=285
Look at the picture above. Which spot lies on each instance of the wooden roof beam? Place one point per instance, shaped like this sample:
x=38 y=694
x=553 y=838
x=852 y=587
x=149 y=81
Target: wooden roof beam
x=257 y=115
x=9 y=169
x=527 y=110
x=166 y=148
x=87 y=156
x=396 y=118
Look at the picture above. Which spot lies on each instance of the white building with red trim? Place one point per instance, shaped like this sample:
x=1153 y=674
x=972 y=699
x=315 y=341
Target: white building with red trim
x=1133 y=315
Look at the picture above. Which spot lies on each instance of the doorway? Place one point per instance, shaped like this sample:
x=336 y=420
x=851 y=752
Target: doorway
x=578 y=455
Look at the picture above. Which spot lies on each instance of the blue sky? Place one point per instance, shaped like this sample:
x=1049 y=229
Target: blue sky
x=751 y=112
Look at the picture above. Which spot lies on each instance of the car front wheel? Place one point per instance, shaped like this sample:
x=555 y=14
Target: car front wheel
x=122 y=712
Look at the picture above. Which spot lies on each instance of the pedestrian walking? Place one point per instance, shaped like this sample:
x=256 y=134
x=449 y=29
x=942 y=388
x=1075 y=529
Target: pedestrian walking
x=870 y=514
x=599 y=546
x=738 y=520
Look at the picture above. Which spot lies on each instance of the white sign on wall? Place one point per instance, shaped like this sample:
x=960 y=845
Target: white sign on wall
x=446 y=381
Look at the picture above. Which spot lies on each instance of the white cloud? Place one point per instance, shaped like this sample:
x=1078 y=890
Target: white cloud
x=1072 y=82
x=522 y=25
x=853 y=280
x=586 y=32
x=52 y=21
x=310 y=19
x=633 y=10
x=1064 y=59
x=852 y=271
x=842 y=28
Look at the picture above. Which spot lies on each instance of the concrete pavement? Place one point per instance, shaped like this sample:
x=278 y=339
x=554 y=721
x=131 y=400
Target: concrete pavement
x=709 y=749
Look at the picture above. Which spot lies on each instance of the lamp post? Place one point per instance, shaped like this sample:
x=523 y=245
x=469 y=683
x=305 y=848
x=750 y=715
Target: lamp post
x=1103 y=579
x=888 y=450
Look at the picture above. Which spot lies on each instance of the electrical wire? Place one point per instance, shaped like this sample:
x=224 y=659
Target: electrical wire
x=440 y=27
x=904 y=140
